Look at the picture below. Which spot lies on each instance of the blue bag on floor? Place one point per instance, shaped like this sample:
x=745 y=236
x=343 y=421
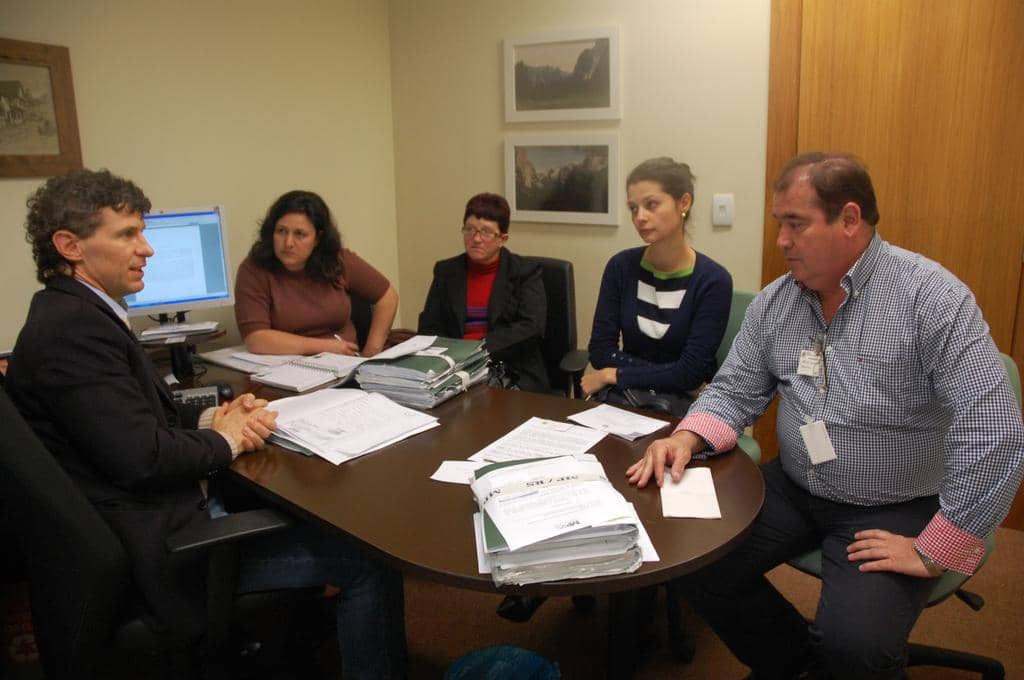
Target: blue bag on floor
x=503 y=662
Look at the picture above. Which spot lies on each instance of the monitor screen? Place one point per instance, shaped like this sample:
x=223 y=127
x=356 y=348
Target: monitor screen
x=189 y=268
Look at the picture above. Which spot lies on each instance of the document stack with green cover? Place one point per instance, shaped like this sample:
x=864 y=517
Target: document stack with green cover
x=553 y=519
x=429 y=376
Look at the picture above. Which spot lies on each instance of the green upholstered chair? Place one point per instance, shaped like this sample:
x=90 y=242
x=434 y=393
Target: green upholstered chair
x=741 y=299
x=948 y=584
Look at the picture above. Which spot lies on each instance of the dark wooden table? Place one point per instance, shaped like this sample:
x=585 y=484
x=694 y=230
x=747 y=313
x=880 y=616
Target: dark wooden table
x=387 y=502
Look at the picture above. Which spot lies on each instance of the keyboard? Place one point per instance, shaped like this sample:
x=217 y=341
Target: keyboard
x=166 y=329
x=203 y=397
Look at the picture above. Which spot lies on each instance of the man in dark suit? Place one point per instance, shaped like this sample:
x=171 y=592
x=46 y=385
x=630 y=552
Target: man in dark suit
x=91 y=394
x=490 y=292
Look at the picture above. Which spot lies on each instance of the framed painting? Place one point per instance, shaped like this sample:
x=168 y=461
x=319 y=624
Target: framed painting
x=570 y=178
x=38 y=122
x=568 y=75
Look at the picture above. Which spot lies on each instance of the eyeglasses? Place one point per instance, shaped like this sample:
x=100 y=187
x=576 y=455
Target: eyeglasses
x=484 y=234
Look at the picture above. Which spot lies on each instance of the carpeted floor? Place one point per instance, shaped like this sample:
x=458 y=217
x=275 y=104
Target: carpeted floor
x=444 y=623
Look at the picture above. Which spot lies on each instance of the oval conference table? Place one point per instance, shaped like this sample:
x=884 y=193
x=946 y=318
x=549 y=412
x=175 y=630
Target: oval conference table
x=387 y=502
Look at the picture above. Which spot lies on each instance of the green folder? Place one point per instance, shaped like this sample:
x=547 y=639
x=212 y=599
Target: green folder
x=424 y=368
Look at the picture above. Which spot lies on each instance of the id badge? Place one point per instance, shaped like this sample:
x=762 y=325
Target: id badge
x=818 y=443
x=810 y=363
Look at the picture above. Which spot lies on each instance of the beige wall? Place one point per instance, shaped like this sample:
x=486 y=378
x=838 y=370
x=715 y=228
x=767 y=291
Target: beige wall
x=695 y=86
x=235 y=102
x=230 y=102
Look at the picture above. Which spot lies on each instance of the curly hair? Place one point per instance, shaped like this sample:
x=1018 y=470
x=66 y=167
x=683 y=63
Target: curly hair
x=324 y=263
x=73 y=202
x=676 y=179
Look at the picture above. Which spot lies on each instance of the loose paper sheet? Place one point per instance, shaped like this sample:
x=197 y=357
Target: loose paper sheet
x=619 y=422
x=692 y=496
x=457 y=471
x=540 y=438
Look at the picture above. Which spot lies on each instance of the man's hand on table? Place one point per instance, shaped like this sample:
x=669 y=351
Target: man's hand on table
x=674 y=451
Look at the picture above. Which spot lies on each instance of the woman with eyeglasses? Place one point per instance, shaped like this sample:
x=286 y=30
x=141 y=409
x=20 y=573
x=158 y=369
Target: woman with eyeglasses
x=489 y=292
x=292 y=293
x=667 y=304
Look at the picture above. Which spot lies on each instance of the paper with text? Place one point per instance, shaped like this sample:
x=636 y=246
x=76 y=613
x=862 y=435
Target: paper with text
x=540 y=438
x=619 y=422
x=538 y=500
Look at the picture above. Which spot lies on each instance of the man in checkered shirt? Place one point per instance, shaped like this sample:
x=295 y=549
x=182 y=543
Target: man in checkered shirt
x=901 y=443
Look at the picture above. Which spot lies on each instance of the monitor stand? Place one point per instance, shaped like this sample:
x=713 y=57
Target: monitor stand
x=181 y=353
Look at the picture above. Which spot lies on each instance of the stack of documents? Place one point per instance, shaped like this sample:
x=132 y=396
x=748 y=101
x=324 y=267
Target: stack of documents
x=304 y=373
x=340 y=425
x=428 y=376
x=554 y=519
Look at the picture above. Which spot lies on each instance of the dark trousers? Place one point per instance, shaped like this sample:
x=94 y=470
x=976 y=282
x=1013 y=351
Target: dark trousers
x=370 y=607
x=863 y=619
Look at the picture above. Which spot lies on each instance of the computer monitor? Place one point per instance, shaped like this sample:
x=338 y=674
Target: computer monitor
x=189 y=268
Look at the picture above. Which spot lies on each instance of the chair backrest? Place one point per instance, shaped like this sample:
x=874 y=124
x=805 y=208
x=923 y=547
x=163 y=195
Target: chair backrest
x=362 y=315
x=79 y=573
x=741 y=299
x=560 y=330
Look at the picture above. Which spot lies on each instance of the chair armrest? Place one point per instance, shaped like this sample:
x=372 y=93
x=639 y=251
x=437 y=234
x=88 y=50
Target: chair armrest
x=229 y=528
x=575 y=361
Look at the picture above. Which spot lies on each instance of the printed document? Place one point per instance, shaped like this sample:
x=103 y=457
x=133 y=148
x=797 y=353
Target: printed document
x=619 y=422
x=538 y=500
x=540 y=438
x=339 y=425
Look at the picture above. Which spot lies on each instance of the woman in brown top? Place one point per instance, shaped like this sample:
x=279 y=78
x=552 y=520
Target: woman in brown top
x=292 y=291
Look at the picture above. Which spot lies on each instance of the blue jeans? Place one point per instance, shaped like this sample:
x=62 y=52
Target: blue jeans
x=863 y=619
x=371 y=604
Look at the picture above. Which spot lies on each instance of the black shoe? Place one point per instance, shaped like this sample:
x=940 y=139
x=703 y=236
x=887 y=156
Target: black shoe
x=519 y=608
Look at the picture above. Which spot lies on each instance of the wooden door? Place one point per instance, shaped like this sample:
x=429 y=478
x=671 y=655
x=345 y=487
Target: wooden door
x=929 y=94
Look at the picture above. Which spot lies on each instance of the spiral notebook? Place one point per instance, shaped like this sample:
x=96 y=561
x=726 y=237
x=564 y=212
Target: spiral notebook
x=301 y=375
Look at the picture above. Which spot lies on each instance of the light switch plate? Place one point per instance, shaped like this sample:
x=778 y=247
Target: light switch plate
x=722 y=210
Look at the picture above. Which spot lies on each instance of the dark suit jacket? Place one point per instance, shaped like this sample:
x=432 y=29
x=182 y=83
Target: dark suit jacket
x=91 y=394
x=516 y=313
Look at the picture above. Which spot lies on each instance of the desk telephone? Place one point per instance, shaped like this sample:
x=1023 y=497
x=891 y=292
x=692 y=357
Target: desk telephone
x=204 y=397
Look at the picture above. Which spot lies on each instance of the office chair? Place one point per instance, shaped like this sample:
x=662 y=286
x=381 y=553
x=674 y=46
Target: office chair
x=563 y=361
x=948 y=584
x=362 y=315
x=82 y=596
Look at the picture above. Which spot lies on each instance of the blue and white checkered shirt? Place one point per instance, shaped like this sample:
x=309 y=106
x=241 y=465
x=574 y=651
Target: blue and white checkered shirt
x=912 y=391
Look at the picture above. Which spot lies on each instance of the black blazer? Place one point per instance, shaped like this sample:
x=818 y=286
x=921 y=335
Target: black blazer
x=94 y=398
x=516 y=313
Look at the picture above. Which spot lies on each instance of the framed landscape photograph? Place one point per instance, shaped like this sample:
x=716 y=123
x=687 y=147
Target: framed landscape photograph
x=38 y=122
x=569 y=75
x=570 y=178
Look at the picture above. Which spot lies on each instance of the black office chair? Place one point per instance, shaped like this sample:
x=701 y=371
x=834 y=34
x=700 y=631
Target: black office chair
x=84 y=609
x=362 y=315
x=563 y=361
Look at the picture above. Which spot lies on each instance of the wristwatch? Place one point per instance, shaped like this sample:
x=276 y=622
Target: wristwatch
x=933 y=567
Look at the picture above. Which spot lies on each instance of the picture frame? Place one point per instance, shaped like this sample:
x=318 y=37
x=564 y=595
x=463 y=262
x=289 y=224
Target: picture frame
x=568 y=178
x=38 y=120
x=563 y=75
